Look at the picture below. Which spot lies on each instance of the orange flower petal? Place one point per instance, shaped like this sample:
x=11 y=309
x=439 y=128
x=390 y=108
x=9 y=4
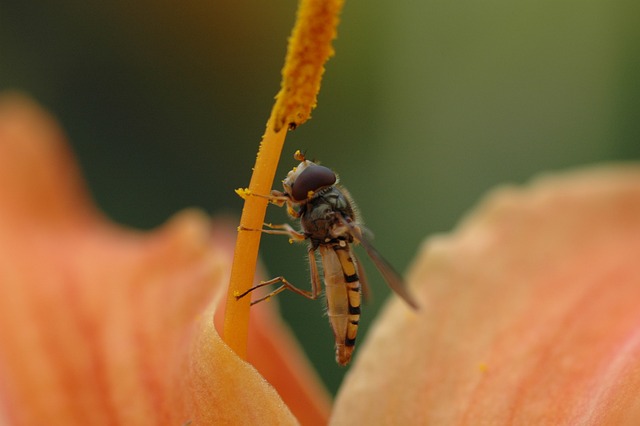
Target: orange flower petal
x=103 y=325
x=529 y=315
x=281 y=361
x=223 y=389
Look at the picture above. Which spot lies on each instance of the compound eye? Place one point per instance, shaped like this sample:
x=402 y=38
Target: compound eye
x=312 y=179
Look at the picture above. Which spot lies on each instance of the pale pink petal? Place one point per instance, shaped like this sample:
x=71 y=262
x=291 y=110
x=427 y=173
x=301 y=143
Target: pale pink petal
x=529 y=315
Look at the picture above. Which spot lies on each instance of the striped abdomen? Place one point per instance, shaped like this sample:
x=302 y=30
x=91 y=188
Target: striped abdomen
x=342 y=289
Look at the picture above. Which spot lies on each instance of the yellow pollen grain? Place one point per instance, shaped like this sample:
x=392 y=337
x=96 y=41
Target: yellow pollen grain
x=243 y=192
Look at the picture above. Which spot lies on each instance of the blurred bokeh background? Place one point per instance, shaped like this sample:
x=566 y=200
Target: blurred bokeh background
x=426 y=106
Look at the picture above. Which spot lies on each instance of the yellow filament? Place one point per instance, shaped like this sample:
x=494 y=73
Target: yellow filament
x=308 y=50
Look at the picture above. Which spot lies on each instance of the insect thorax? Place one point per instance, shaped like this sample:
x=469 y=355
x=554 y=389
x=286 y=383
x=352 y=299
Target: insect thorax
x=319 y=218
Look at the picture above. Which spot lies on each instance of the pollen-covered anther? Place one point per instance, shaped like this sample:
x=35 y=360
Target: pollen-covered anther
x=309 y=49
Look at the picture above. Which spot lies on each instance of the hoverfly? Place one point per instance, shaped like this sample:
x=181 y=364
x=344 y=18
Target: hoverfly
x=330 y=224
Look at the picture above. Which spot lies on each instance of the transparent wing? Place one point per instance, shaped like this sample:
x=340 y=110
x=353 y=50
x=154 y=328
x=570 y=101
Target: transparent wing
x=393 y=279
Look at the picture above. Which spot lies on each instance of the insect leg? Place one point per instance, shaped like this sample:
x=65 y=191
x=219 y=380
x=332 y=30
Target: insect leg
x=284 y=229
x=275 y=197
x=286 y=285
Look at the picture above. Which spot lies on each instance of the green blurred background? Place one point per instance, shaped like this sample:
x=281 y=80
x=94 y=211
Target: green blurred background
x=425 y=107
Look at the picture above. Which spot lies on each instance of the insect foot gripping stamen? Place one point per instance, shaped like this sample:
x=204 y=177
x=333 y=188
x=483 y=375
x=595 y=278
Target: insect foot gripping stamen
x=243 y=192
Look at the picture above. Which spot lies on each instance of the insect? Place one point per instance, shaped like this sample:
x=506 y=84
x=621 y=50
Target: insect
x=331 y=226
